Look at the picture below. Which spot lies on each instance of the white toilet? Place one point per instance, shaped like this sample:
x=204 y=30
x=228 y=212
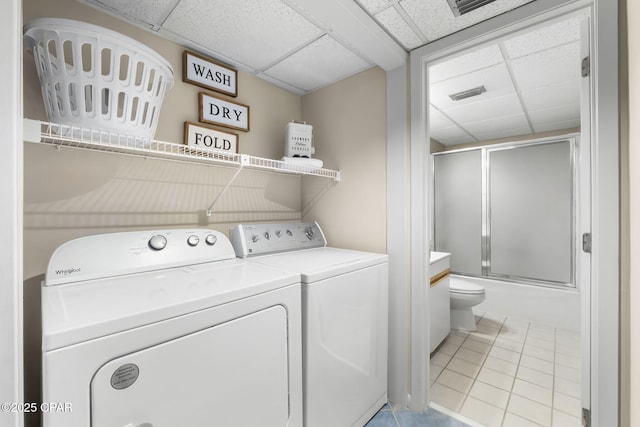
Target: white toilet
x=463 y=295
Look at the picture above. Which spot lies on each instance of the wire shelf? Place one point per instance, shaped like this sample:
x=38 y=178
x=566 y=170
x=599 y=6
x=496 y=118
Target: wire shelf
x=75 y=137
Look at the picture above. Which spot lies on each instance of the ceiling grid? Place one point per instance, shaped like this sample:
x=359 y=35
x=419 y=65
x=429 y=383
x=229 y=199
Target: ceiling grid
x=531 y=80
x=503 y=50
x=535 y=76
x=269 y=37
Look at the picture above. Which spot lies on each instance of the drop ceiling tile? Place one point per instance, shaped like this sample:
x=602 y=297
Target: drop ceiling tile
x=149 y=11
x=445 y=134
x=562 y=113
x=485 y=110
x=254 y=33
x=498 y=126
x=495 y=79
x=437 y=120
x=548 y=127
x=548 y=67
x=557 y=34
x=318 y=64
x=435 y=18
x=473 y=61
x=398 y=27
x=549 y=96
x=502 y=133
x=373 y=6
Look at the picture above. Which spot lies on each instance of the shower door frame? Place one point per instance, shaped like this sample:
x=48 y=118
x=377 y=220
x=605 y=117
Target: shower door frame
x=573 y=140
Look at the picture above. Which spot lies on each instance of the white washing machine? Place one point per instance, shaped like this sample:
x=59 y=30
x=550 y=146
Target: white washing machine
x=166 y=329
x=344 y=318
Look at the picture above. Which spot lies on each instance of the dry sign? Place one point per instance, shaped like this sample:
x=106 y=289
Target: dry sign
x=205 y=137
x=209 y=74
x=217 y=111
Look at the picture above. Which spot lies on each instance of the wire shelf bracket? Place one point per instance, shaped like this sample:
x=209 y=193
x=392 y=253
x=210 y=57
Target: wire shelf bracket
x=244 y=160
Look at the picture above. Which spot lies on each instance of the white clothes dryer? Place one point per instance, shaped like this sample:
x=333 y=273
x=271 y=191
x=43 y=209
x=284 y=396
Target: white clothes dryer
x=166 y=329
x=344 y=318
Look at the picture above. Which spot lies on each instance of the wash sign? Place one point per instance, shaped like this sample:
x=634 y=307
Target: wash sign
x=209 y=74
x=220 y=112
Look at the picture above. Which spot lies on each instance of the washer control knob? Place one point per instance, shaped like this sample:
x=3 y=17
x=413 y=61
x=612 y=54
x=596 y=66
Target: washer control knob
x=158 y=242
x=211 y=239
x=255 y=238
x=310 y=232
x=267 y=235
x=193 y=240
x=289 y=233
x=278 y=233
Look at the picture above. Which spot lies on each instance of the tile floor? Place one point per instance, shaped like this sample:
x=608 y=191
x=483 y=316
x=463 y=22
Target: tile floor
x=509 y=373
x=391 y=417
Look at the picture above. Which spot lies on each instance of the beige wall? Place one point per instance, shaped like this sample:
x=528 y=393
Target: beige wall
x=349 y=129
x=436 y=147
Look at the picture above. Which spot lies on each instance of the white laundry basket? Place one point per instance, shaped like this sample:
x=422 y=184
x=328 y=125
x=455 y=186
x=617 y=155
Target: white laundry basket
x=95 y=78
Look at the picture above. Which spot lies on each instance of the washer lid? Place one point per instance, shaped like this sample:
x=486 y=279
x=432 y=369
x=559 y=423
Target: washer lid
x=321 y=263
x=80 y=311
x=465 y=287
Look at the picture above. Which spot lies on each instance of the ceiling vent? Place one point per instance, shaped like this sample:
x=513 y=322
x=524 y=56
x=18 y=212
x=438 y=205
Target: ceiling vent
x=460 y=7
x=468 y=93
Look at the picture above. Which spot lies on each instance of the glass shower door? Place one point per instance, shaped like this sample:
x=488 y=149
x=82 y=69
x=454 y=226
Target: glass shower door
x=530 y=212
x=458 y=209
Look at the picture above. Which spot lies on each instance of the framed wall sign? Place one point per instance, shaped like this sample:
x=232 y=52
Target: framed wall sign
x=198 y=136
x=217 y=111
x=209 y=74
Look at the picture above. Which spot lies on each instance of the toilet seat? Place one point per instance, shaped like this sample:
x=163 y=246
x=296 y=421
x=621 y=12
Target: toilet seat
x=464 y=287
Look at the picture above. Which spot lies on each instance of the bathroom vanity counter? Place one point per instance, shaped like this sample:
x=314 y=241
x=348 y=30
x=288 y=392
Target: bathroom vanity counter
x=439 y=308
x=438 y=256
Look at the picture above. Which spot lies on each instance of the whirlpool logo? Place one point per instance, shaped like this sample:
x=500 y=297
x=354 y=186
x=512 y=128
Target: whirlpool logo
x=67 y=271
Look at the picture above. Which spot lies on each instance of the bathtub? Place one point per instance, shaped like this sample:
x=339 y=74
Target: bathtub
x=559 y=308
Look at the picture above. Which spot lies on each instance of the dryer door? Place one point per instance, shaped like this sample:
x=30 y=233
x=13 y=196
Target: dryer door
x=231 y=374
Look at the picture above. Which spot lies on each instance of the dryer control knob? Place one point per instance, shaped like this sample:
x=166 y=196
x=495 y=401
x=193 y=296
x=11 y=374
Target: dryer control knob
x=193 y=240
x=211 y=239
x=158 y=242
x=255 y=238
x=310 y=232
x=267 y=235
